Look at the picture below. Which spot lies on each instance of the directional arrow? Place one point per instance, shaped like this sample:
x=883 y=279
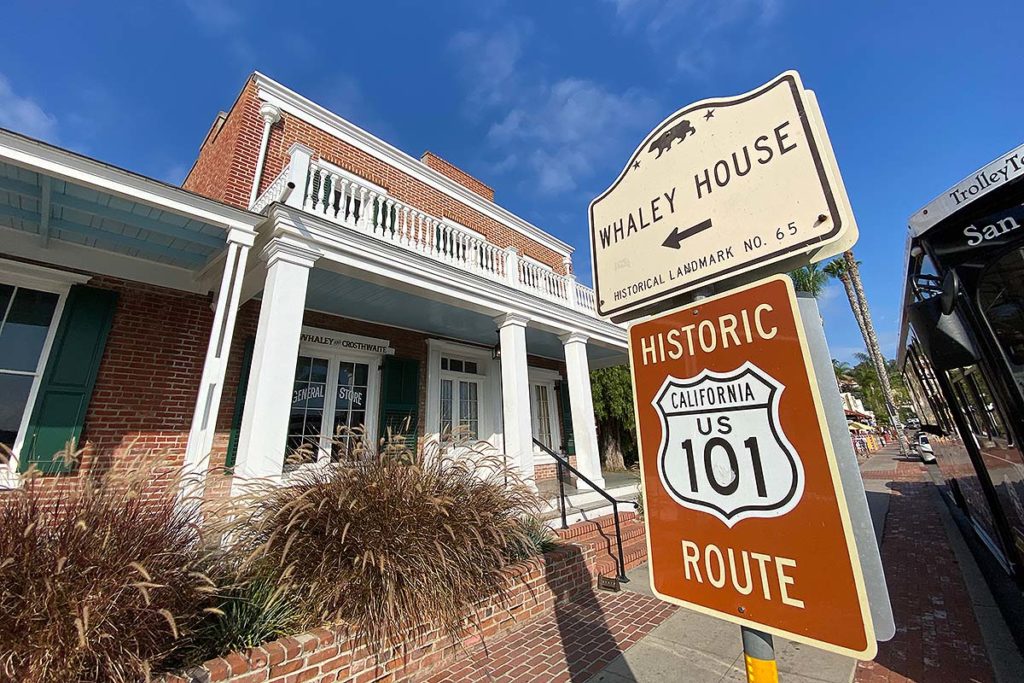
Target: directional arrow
x=676 y=237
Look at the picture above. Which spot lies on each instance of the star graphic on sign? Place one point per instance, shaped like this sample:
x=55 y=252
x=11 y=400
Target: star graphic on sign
x=709 y=115
x=636 y=164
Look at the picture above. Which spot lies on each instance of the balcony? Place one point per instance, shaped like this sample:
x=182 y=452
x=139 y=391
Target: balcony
x=360 y=206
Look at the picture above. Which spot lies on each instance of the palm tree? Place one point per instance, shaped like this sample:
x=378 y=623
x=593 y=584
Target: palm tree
x=809 y=279
x=860 y=302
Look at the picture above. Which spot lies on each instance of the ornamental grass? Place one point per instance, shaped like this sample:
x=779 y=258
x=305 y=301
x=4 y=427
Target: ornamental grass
x=101 y=577
x=396 y=538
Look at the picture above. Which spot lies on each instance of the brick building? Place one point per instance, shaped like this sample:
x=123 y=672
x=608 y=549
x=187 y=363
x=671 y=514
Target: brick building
x=307 y=277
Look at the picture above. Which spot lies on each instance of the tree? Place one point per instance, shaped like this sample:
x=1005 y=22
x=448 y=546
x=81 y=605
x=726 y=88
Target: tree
x=846 y=269
x=809 y=279
x=612 y=389
x=871 y=339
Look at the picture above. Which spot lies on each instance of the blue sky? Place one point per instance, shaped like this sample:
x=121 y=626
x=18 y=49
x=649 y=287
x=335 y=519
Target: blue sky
x=542 y=100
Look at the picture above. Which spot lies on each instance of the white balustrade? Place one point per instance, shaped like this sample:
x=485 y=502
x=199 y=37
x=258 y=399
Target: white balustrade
x=360 y=207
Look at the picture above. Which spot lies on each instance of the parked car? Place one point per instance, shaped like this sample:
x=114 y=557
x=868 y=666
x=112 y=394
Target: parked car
x=924 y=448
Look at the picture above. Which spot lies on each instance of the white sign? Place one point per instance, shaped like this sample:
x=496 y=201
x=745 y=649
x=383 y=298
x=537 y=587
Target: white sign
x=721 y=187
x=723 y=450
x=341 y=340
x=978 y=184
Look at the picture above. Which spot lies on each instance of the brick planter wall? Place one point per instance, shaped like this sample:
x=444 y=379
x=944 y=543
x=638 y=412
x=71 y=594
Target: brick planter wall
x=535 y=586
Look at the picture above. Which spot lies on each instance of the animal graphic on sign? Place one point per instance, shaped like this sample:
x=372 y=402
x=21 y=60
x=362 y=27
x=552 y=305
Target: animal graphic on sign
x=663 y=142
x=723 y=450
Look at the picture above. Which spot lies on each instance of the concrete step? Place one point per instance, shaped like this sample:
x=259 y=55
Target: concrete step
x=592 y=510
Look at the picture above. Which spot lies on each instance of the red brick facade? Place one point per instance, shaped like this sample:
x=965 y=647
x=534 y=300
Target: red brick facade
x=535 y=588
x=151 y=367
x=227 y=164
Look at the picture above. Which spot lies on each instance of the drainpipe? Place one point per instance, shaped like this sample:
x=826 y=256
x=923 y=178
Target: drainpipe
x=271 y=115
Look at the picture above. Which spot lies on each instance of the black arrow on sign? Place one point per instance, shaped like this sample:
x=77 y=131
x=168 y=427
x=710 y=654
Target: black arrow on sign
x=676 y=237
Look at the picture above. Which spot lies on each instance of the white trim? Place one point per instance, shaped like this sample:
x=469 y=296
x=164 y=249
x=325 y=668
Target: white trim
x=489 y=399
x=544 y=377
x=40 y=279
x=332 y=124
x=59 y=163
x=383 y=263
x=335 y=356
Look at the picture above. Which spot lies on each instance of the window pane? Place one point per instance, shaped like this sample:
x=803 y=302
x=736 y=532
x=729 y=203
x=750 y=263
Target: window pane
x=542 y=418
x=349 y=408
x=306 y=418
x=14 y=390
x=24 y=330
x=471 y=367
x=446 y=405
x=468 y=409
x=1001 y=299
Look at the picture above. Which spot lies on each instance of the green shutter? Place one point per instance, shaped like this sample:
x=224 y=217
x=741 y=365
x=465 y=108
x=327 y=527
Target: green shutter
x=568 y=443
x=400 y=398
x=68 y=380
x=236 y=416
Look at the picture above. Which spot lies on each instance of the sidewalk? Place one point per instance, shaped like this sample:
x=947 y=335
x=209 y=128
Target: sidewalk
x=632 y=636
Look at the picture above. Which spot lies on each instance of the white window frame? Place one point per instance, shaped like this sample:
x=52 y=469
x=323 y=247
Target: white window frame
x=488 y=393
x=17 y=274
x=457 y=378
x=335 y=357
x=542 y=377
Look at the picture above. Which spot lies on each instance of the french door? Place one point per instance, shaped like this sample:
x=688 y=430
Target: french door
x=460 y=406
x=331 y=396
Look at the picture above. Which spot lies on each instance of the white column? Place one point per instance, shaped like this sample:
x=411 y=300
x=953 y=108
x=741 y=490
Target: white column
x=271 y=115
x=515 y=392
x=512 y=266
x=584 y=427
x=298 y=171
x=211 y=385
x=261 y=442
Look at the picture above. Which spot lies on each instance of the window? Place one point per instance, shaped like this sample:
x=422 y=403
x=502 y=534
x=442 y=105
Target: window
x=540 y=406
x=460 y=397
x=333 y=399
x=1001 y=300
x=25 y=319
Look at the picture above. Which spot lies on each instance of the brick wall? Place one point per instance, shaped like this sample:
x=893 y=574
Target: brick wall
x=563 y=575
x=455 y=173
x=227 y=164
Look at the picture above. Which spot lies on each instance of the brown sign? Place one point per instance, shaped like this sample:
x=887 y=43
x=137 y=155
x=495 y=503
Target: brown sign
x=745 y=513
x=720 y=188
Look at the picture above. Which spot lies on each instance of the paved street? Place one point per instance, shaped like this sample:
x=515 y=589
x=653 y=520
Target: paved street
x=948 y=628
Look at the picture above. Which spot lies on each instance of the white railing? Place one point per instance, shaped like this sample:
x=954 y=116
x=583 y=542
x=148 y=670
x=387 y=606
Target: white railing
x=340 y=199
x=274 y=191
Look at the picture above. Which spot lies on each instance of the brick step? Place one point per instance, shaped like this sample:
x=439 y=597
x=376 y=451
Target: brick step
x=595 y=526
x=605 y=539
x=634 y=555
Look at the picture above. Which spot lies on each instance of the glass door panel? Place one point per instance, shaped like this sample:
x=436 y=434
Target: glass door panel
x=349 y=408
x=307 y=412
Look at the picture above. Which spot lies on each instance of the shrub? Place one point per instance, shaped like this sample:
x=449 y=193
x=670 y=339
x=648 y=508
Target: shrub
x=252 y=608
x=98 y=582
x=399 y=539
x=538 y=538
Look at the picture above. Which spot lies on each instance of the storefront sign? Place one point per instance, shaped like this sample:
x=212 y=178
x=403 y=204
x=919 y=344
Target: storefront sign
x=720 y=188
x=981 y=182
x=340 y=340
x=745 y=510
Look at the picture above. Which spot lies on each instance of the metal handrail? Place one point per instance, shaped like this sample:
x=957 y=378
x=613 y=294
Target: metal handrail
x=564 y=462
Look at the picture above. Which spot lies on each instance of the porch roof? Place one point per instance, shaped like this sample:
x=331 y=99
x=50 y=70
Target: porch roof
x=49 y=194
x=332 y=292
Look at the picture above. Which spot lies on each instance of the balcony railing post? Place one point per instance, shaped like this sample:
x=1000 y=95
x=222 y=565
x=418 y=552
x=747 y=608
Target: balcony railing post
x=298 y=169
x=512 y=266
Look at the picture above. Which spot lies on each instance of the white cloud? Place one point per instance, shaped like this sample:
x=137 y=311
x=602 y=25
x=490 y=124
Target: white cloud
x=25 y=115
x=558 y=131
x=691 y=31
x=214 y=15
